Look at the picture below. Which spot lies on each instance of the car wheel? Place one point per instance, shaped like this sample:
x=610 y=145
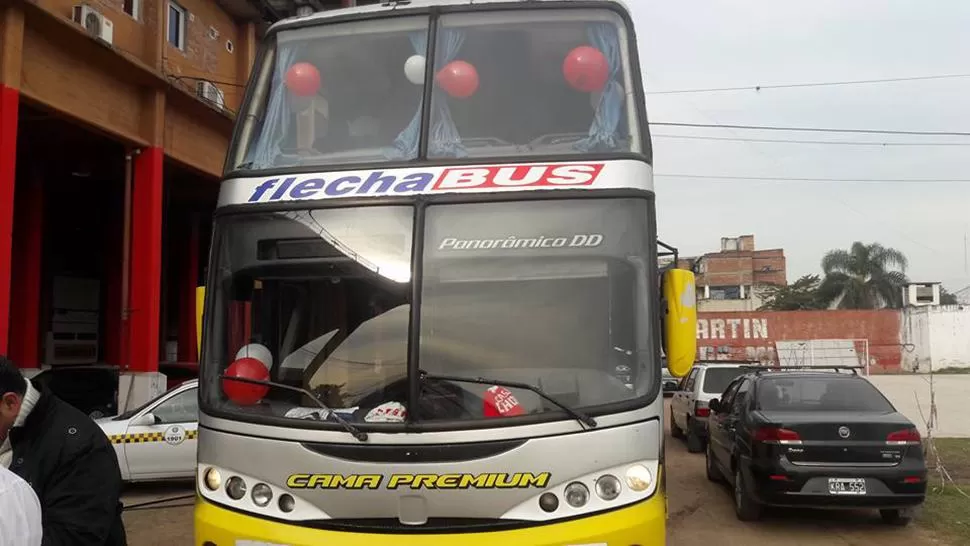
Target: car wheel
x=694 y=442
x=674 y=431
x=896 y=517
x=746 y=508
x=713 y=473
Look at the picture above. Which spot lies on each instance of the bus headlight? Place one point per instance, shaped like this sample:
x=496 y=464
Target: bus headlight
x=638 y=478
x=262 y=494
x=549 y=502
x=212 y=479
x=608 y=487
x=287 y=503
x=577 y=495
x=236 y=488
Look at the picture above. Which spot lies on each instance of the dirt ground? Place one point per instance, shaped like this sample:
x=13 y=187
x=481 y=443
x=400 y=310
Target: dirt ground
x=700 y=513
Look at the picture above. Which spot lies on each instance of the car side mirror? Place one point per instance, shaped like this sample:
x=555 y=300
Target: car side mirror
x=144 y=420
x=714 y=405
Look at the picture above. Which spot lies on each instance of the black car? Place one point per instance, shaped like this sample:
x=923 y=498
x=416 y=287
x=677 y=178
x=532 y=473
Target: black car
x=810 y=438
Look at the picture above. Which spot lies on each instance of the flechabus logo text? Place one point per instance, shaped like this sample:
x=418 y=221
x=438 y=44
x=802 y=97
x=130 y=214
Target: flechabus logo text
x=478 y=178
x=454 y=179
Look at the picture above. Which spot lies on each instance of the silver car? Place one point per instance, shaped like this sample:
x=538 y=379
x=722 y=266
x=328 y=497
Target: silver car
x=688 y=407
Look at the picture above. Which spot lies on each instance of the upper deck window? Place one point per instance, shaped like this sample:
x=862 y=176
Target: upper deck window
x=333 y=94
x=535 y=83
x=507 y=83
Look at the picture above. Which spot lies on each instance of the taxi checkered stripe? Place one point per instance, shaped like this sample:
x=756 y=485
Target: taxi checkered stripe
x=146 y=437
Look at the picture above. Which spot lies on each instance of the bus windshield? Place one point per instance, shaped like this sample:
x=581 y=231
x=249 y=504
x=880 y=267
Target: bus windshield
x=550 y=293
x=538 y=82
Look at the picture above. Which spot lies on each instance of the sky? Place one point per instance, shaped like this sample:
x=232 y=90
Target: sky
x=692 y=44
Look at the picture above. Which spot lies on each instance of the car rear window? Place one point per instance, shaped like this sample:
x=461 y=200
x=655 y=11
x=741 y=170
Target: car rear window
x=717 y=379
x=821 y=394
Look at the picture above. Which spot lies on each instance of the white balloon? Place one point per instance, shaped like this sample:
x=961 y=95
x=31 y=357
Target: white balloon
x=414 y=69
x=259 y=352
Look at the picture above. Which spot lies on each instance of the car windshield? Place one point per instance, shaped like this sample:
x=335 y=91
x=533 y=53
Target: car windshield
x=132 y=412
x=553 y=294
x=532 y=82
x=717 y=378
x=821 y=394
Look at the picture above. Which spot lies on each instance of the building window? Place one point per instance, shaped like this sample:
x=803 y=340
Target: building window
x=725 y=292
x=176 y=25
x=133 y=8
x=924 y=293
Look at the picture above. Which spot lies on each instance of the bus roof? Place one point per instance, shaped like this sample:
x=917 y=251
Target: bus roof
x=388 y=7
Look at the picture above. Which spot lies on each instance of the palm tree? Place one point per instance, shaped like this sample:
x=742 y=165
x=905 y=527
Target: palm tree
x=865 y=277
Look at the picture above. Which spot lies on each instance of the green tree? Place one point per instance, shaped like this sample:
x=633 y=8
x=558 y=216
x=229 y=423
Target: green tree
x=864 y=277
x=947 y=298
x=799 y=295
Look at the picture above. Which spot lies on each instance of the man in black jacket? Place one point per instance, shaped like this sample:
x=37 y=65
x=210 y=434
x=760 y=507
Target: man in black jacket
x=66 y=458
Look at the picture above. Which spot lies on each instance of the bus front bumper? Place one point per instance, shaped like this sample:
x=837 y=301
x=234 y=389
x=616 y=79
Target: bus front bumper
x=641 y=524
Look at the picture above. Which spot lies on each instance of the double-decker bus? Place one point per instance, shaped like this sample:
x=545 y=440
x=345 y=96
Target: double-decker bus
x=434 y=312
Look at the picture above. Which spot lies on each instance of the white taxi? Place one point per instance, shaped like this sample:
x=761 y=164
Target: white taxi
x=157 y=441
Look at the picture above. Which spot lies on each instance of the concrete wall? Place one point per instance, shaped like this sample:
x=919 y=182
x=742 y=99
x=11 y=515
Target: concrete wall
x=911 y=395
x=898 y=340
x=752 y=335
x=936 y=336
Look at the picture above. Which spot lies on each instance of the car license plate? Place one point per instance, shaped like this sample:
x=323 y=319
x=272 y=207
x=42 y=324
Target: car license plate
x=847 y=486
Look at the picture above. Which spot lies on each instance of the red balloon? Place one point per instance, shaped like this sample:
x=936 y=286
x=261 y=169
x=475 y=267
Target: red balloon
x=303 y=79
x=240 y=392
x=586 y=69
x=458 y=79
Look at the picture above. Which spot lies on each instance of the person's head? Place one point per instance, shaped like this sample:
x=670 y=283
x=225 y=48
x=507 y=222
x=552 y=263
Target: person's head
x=13 y=386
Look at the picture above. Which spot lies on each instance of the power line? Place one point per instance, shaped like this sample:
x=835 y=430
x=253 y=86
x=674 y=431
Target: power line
x=793 y=141
x=800 y=179
x=809 y=84
x=807 y=129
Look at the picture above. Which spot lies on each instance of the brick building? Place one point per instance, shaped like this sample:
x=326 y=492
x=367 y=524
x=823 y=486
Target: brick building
x=731 y=279
x=115 y=117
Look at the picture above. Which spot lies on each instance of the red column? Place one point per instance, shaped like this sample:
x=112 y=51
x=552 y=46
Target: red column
x=190 y=280
x=113 y=336
x=146 y=261
x=9 y=100
x=28 y=248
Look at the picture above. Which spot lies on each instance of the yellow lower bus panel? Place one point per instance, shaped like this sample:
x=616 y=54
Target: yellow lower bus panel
x=642 y=524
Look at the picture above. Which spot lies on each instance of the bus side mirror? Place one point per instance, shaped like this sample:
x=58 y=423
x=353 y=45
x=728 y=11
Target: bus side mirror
x=679 y=320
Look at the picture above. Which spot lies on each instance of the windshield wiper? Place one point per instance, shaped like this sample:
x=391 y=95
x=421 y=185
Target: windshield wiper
x=574 y=413
x=348 y=426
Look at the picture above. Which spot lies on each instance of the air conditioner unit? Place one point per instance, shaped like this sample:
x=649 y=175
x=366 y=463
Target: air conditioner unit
x=211 y=94
x=94 y=22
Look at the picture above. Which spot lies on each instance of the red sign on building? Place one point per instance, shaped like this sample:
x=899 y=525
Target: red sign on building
x=813 y=337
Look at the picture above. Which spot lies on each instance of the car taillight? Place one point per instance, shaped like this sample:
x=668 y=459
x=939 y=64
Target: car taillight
x=905 y=436
x=702 y=411
x=776 y=434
